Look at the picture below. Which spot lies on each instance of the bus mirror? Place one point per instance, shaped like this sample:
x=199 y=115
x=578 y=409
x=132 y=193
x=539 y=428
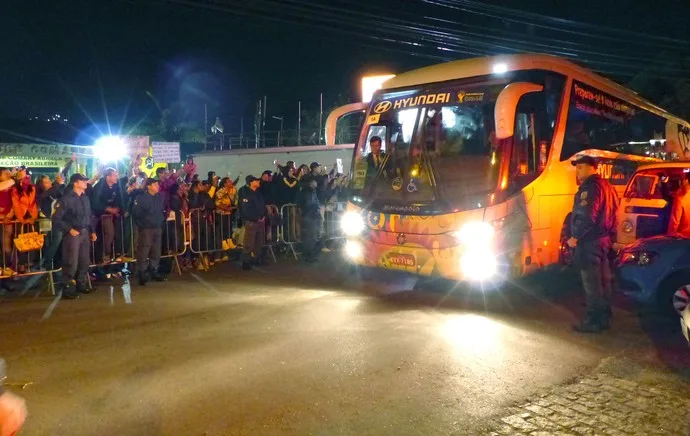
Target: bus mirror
x=506 y=106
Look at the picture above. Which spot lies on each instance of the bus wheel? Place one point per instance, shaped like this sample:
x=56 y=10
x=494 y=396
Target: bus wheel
x=565 y=255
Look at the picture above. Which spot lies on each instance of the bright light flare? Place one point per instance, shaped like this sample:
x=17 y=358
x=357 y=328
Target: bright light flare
x=371 y=84
x=478 y=265
x=352 y=223
x=110 y=149
x=353 y=249
x=500 y=68
x=474 y=234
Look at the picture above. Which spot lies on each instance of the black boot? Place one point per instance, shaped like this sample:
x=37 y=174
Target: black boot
x=158 y=277
x=69 y=291
x=83 y=289
x=591 y=324
x=143 y=279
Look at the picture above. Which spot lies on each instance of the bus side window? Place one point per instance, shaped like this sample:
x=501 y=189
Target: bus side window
x=530 y=149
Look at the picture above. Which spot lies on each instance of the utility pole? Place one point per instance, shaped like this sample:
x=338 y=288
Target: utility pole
x=205 y=126
x=299 y=123
x=263 y=127
x=241 y=130
x=320 y=118
x=280 y=134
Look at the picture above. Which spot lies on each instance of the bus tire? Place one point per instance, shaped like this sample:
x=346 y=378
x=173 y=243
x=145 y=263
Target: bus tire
x=565 y=253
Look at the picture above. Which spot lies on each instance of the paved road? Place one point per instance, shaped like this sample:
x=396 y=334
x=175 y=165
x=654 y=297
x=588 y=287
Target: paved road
x=294 y=349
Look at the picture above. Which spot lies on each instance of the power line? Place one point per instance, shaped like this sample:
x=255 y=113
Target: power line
x=431 y=40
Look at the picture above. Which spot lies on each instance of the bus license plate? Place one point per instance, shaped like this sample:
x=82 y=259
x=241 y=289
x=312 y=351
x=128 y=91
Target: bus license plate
x=398 y=259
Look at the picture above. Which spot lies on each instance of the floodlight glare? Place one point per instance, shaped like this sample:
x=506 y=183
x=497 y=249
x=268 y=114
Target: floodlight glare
x=110 y=149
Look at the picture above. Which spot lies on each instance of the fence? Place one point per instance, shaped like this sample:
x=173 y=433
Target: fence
x=201 y=233
x=276 y=138
x=291 y=224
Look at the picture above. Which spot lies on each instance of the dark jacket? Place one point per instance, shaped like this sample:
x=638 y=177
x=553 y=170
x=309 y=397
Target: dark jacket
x=251 y=204
x=267 y=190
x=201 y=200
x=73 y=212
x=286 y=188
x=104 y=196
x=148 y=211
x=594 y=210
x=45 y=199
x=308 y=197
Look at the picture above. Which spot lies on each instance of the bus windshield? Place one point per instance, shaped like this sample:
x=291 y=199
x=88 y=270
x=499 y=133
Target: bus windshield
x=437 y=146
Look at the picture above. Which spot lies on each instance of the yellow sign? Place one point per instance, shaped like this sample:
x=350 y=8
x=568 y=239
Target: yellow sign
x=373 y=119
x=469 y=97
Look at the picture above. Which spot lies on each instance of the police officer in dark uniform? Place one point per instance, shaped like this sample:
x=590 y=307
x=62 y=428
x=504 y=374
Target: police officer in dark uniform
x=148 y=213
x=73 y=218
x=593 y=224
x=312 y=221
x=252 y=211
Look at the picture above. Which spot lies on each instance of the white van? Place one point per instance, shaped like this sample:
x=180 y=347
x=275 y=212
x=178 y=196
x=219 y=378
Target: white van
x=646 y=204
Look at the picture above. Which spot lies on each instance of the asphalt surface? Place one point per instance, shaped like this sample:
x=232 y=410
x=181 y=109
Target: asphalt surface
x=295 y=349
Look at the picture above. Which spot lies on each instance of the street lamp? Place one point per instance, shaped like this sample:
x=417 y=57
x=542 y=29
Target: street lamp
x=280 y=134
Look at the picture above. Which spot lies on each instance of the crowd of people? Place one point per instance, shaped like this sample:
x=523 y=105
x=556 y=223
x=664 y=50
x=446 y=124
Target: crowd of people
x=111 y=219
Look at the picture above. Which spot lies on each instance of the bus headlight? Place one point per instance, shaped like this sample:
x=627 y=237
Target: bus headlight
x=353 y=249
x=352 y=224
x=627 y=226
x=478 y=265
x=478 y=259
x=475 y=235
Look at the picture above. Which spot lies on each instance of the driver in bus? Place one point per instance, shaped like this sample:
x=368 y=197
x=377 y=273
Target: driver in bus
x=376 y=157
x=679 y=222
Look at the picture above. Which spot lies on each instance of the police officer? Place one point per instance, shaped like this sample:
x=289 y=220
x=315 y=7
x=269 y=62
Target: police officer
x=593 y=224
x=73 y=218
x=148 y=213
x=252 y=211
x=312 y=221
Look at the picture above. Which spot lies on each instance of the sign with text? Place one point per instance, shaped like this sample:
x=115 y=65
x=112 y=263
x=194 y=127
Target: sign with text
x=168 y=152
x=35 y=155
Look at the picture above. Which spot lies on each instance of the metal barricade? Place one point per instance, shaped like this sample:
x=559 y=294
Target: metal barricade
x=207 y=229
x=331 y=223
x=290 y=227
x=18 y=264
x=273 y=224
x=116 y=242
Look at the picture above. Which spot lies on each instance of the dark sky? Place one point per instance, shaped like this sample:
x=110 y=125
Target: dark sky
x=97 y=59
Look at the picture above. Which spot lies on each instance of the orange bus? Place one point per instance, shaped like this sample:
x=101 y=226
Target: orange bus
x=475 y=182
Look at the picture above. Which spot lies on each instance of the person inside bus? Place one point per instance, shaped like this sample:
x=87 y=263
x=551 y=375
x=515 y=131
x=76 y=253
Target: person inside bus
x=679 y=221
x=376 y=157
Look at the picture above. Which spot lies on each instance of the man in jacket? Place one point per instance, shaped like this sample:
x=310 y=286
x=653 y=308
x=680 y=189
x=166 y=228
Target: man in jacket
x=148 y=213
x=108 y=204
x=311 y=219
x=593 y=223
x=73 y=218
x=253 y=212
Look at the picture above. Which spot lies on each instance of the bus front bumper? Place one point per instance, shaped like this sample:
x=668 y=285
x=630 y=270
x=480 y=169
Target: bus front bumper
x=451 y=263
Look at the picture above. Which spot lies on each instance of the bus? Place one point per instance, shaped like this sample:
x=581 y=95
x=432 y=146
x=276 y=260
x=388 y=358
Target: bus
x=475 y=181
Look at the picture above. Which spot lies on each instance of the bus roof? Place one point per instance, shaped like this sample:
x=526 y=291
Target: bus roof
x=485 y=66
x=657 y=166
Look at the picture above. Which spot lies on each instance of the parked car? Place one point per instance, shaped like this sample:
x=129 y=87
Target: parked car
x=646 y=204
x=656 y=271
x=685 y=323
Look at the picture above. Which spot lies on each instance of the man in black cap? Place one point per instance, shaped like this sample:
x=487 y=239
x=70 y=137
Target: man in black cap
x=593 y=223
x=148 y=213
x=73 y=218
x=253 y=212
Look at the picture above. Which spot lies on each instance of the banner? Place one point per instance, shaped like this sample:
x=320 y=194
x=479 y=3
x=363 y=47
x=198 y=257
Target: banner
x=168 y=152
x=35 y=155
